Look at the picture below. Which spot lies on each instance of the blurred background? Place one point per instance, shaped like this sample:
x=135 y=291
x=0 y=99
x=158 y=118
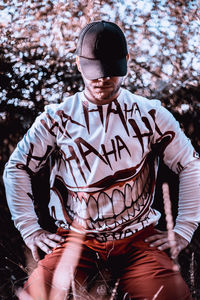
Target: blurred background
x=37 y=67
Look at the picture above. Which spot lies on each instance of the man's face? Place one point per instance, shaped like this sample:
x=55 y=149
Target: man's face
x=102 y=90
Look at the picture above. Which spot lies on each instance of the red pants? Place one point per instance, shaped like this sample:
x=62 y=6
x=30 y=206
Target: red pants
x=141 y=272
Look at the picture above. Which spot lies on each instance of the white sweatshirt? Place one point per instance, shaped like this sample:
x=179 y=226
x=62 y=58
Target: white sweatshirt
x=104 y=172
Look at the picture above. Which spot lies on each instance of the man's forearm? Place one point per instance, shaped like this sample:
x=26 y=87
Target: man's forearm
x=189 y=200
x=18 y=192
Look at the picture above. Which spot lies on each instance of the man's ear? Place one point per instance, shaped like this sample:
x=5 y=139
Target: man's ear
x=78 y=63
x=127 y=57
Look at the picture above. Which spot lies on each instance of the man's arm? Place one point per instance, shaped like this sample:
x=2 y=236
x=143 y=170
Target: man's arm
x=26 y=160
x=188 y=211
x=179 y=155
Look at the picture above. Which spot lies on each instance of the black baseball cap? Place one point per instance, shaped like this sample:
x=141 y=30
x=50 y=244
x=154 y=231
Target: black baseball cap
x=102 y=50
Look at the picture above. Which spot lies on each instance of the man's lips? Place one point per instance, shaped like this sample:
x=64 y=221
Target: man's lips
x=102 y=87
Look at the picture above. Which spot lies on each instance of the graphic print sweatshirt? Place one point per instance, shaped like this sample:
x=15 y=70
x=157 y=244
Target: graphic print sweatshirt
x=104 y=172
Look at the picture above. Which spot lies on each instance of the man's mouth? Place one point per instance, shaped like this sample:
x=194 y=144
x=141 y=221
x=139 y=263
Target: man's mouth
x=102 y=86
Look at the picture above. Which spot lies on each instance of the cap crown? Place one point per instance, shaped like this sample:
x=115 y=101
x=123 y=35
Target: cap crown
x=102 y=41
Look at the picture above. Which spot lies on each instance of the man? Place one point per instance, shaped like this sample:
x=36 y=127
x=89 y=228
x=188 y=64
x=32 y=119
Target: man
x=103 y=181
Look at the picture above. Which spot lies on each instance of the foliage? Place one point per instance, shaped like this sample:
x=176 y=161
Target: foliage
x=37 y=51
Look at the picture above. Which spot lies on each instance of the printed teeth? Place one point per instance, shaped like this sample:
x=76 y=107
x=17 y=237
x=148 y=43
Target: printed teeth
x=80 y=221
x=136 y=206
x=141 y=201
x=131 y=212
x=128 y=195
x=119 y=220
x=125 y=218
x=118 y=202
x=71 y=214
x=92 y=208
x=102 y=225
x=104 y=206
x=107 y=210
x=82 y=212
x=109 y=222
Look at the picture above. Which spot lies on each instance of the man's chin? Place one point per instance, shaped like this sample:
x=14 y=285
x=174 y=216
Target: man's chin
x=103 y=96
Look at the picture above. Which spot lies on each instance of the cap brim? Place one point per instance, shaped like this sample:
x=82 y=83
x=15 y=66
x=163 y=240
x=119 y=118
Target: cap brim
x=93 y=69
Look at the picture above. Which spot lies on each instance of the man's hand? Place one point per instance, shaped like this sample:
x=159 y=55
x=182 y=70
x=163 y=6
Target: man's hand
x=161 y=241
x=44 y=240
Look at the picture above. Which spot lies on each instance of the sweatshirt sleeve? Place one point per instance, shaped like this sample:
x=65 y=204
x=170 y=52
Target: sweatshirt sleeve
x=29 y=156
x=175 y=148
x=179 y=155
x=189 y=200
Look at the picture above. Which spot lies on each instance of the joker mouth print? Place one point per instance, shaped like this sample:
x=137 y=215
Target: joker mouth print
x=112 y=210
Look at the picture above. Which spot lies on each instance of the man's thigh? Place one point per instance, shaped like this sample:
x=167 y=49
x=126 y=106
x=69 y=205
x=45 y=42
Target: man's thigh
x=153 y=275
x=67 y=266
